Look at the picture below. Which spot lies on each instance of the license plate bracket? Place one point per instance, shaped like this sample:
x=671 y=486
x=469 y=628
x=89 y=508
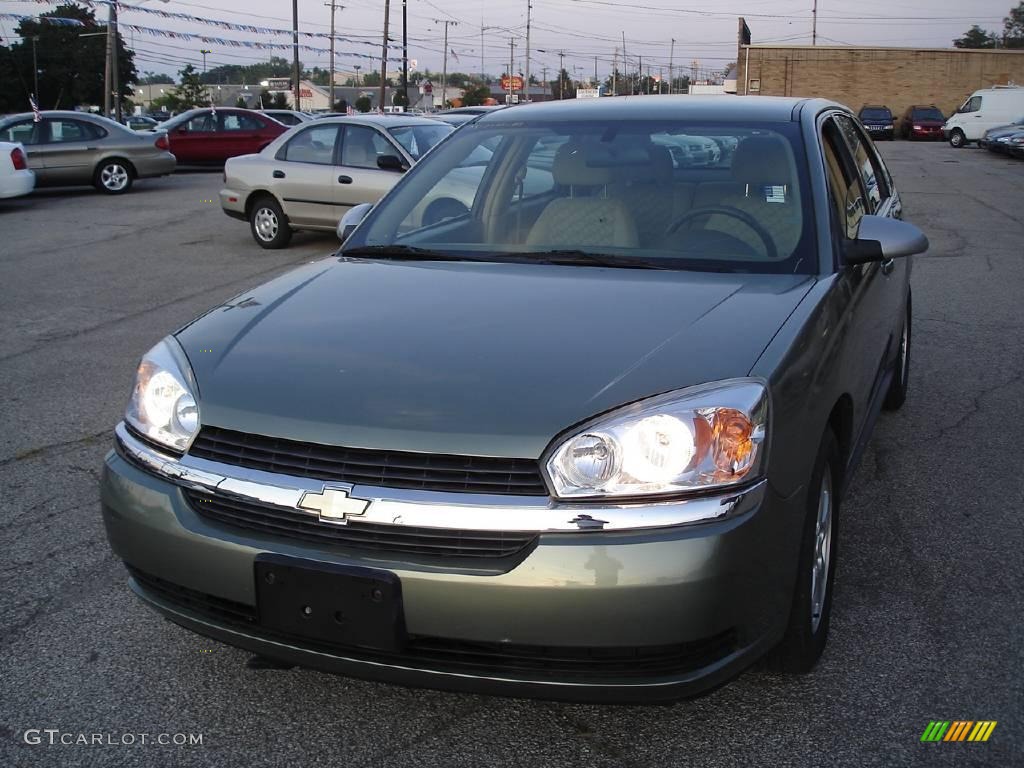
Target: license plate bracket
x=330 y=603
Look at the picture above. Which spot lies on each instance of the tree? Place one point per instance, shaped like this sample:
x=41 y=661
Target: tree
x=976 y=37
x=1013 y=28
x=363 y=104
x=400 y=98
x=476 y=96
x=278 y=101
x=250 y=73
x=70 y=66
x=191 y=92
x=240 y=103
x=563 y=87
x=340 y=106
x=152 y=78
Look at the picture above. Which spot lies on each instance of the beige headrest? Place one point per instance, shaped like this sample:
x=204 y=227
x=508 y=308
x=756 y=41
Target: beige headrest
x=570 y=168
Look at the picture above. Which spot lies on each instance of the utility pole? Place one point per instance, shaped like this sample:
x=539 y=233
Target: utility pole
x=814 y=23
x=544 y=75
x=334 y=7
x=625 y=61
x=671 y=54
x=405 y=54
x=596 y=84
x=661 y=78
x=526 y=81
x=296 y=74
x=511 y=56
x=640 y=74
x=561 y=75
x=108 y=69
x=444 y=72
x=204 y=51
x=615 y=72
x=384 y=57
x=35 y=70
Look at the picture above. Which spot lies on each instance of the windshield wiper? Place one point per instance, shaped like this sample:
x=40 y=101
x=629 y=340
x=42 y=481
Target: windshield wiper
x=408 y=253
x=586 y=258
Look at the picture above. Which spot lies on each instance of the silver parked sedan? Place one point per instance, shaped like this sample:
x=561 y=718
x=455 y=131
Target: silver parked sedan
x=308 y=177
x=71 y=148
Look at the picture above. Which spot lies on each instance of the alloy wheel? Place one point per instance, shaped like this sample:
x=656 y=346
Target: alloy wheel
x=822 y=549
x=114 y=177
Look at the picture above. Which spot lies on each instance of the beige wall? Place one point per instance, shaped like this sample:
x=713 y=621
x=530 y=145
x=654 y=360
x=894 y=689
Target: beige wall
x=895 y=77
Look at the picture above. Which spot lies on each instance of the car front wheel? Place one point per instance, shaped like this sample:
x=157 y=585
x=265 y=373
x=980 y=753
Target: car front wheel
x=957 y=138
x=897 y=394
x=811 y=609
x=113 y=176
x=269 y=224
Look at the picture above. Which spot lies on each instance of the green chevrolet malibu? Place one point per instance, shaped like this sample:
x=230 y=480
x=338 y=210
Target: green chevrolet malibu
x=586 y=438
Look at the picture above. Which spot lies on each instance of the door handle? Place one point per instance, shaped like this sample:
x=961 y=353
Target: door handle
x=888 y=266
x=345 y=179
x=278 y=174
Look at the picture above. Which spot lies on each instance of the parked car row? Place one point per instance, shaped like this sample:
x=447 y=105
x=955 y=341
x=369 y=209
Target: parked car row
x=982 y=111
x=919 y=121
x=1005 y=139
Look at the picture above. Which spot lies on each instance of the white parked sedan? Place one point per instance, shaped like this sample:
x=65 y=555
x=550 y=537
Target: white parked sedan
x=310 y=176
x=16 y=178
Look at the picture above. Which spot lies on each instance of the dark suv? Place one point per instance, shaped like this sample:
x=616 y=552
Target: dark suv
x=878 y=121
x=922 y=122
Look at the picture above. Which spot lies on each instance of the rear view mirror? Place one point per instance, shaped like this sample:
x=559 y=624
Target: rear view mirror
x=391 y=163
x=351 y=220
x=880 y=238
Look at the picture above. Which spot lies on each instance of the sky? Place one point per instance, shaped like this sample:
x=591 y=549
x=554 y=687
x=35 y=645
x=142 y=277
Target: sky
x=705 y=40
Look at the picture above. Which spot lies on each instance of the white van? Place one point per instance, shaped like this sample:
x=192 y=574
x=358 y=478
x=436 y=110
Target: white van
x=988 y=108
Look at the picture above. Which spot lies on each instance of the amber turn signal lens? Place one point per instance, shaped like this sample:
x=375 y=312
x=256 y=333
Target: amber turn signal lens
x=732 y=447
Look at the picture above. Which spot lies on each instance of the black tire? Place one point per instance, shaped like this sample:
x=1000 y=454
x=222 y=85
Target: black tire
x=897 y=394
x=269 y=225
x=805 y=639
x=114 y=176
x=441 y=209
x=957 y=138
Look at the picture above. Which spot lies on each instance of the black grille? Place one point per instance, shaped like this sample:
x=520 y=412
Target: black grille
x=398 y=539
x=472 y=657
x=359 y=466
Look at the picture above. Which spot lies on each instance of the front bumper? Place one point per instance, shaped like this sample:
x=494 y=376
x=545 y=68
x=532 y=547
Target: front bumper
x=693 y=604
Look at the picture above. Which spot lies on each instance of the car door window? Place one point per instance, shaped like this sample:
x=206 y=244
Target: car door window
x=25 y=131
x=973 y=104
x=362 y=145
x=204 y=123
x=871 y=174
x=65 y=131
x=232 y=122
x=845 y=188
x=313 y=145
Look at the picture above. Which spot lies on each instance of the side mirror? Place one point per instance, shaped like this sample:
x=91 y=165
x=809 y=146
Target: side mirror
x=881 y=238
x=391 y=163
x=351 y=220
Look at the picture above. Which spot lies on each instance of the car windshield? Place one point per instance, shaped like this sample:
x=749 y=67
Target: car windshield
x=928 y=113
x=663 y=194
x=417 y=139
x=875 y=114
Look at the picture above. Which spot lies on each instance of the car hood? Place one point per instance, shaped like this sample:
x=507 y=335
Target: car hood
x=470 y=358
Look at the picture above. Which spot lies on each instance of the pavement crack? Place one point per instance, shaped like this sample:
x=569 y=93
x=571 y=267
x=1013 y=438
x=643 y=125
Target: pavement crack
x=34 y=452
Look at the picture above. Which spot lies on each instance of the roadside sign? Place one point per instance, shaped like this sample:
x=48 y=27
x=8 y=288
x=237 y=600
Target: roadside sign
x=517 y=83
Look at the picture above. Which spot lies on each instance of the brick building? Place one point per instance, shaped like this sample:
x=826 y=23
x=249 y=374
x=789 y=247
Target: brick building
x=854 y=76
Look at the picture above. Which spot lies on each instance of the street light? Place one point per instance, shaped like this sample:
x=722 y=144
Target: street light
x=204 y=51
x=356 y=67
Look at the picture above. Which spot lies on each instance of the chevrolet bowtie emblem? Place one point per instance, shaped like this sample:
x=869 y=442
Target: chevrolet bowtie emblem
x=333 y=505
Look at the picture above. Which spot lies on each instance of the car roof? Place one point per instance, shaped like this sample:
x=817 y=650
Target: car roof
x=383 y=121
x=716 y=107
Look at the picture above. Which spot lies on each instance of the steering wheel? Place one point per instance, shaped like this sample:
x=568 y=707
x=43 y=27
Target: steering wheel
x=727 y=210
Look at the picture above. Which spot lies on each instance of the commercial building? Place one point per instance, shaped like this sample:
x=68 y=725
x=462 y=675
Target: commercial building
x=856 y=75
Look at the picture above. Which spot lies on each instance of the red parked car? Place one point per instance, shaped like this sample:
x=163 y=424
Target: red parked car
x=922 y=122
x=210 y=136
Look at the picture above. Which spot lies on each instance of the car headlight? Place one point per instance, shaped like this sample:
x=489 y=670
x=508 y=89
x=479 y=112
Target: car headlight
x=163 y=405
x=701 y=438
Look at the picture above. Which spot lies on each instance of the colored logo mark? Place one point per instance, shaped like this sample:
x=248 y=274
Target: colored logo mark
x=958 y=730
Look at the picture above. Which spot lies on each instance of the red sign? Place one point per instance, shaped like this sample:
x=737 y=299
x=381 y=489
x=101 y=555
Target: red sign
x=305 y=93
x=517 y=83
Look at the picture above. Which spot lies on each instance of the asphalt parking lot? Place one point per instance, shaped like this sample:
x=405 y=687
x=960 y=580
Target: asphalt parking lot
x=928 y=607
